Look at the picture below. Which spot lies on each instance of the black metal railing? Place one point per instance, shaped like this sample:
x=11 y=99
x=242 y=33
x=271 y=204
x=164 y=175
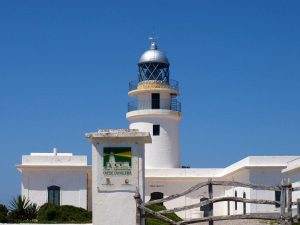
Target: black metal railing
x=173 y=84
x=169 y=104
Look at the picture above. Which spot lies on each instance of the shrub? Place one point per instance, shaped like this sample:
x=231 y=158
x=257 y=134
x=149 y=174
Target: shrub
x=48 y=212
x=72 y=213
x=21 y=209
x=151 y=220
x=63 y=214
x=3 y=213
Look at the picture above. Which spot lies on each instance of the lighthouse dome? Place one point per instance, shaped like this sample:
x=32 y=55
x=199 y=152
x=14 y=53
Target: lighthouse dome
x=153 y=55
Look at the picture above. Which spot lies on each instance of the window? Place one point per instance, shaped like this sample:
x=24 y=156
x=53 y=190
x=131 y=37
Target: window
x=155 y=101
x=156 y=130
x=54 y=195
x=205 y=208
x=228 y=208
x=235 y=203
x=156 y=196
x=244 y=204
x=277 y=198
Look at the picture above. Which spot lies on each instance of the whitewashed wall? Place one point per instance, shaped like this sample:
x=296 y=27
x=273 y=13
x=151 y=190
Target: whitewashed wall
x=293 y=172
x=73 y=186
x=112 y=203
x=268 y=176
x=70 y=173
x=163 y=152
x=174 y=186
x=240 y=176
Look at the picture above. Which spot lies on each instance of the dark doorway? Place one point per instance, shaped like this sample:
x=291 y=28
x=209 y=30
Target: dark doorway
x=156 y=196
x=54 y=195
x=155 y=101
x=156 y=130
x=277 y=198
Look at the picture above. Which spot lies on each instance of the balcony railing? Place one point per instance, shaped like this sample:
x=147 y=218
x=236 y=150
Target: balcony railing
x=169 y=104
x=135 y=84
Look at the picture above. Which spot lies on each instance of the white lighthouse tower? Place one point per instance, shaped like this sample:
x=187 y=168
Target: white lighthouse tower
x=156 y=109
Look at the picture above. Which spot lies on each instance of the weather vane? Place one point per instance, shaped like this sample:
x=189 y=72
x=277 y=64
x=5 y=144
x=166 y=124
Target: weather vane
x=153 y=41
x=153 y=38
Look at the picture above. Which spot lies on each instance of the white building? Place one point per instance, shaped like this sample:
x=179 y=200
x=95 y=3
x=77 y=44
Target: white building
x=58 y=178
x=62 y=178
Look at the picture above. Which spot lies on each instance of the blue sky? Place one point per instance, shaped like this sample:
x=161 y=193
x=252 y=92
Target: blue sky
x=65 y=68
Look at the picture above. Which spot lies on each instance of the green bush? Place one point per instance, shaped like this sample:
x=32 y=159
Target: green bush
x=3 y=213
x=63 y=214
x=151 y=220
x=48 y=212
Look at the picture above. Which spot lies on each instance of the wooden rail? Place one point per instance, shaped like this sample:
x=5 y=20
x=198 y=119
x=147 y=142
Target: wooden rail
x=219 y=183
x=232 y=217
x=171 y=197
x=221 y=199
x=157 y=214
x=286 y=203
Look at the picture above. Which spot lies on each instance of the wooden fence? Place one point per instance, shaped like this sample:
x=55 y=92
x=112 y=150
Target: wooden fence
x=284 y=218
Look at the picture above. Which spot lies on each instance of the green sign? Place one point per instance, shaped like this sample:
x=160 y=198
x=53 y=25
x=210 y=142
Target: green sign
x=117 y=161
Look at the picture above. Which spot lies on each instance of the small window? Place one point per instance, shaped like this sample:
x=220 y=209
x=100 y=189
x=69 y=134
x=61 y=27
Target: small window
x=156 y=130
x=277 y=198
x=54 y=195
x=205 y=208
x=155 y=101
x=244 y=204
x=156 y=196
x=235 y=203
x=228 y=208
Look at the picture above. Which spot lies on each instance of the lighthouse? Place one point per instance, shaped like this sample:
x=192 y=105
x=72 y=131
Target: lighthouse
x=155 y=108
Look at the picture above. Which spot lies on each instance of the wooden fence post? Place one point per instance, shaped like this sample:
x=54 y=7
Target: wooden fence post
x=282 y=202
x=289 y=202
x=211 y=205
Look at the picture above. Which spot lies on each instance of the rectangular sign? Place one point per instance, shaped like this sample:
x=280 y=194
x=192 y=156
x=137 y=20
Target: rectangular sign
x=117 y=161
